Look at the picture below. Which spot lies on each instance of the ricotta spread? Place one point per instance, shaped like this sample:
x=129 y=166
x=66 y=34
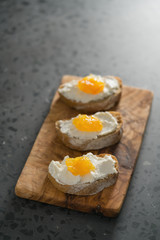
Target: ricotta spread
x=103 y=167
x=71 y=91
x=108 y=121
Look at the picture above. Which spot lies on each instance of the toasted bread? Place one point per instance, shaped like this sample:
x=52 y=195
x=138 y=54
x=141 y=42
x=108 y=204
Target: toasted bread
x=88 y=188
x=97 y=105
x=93 y=144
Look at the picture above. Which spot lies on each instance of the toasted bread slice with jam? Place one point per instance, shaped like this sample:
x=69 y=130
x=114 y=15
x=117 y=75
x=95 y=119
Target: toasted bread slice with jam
x=88 y=188
x=93 y=106
x=92 y=144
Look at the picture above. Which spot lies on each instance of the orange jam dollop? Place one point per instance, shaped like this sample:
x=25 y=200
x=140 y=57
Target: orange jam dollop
x=91 y=84
x=79 y=165
x=87 y=123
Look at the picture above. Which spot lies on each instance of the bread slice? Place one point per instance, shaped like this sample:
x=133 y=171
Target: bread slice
x=98 y=143
x=98 y=105
x=88 y=188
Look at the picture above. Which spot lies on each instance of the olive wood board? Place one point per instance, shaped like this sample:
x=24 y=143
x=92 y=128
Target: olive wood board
x=33 y=182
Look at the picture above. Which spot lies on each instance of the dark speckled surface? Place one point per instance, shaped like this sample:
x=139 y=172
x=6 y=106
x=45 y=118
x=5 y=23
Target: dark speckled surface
x=39 y=42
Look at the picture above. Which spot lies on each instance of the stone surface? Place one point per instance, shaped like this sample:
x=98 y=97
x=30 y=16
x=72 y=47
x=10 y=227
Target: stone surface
x=43 y=40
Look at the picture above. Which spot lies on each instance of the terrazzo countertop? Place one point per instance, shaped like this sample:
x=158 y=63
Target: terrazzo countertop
x=40 y=42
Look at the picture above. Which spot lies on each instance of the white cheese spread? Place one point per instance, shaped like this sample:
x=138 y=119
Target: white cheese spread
x=108 y=121
x=103 y=167
x=71 y=91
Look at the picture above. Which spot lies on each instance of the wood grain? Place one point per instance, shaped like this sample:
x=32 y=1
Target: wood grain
x=33 y=182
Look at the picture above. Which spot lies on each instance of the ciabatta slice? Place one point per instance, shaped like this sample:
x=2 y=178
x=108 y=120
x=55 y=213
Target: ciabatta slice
x=97 y=105
x=92 y=144
x=88 y=188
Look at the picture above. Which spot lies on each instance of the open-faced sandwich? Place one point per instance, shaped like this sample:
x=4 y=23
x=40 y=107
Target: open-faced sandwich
x=90 y=132
x=92 y=93
x=85 y=175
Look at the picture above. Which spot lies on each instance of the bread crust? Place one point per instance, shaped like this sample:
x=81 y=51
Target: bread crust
x=94 y=144
x=98 y=105
x=88 y=188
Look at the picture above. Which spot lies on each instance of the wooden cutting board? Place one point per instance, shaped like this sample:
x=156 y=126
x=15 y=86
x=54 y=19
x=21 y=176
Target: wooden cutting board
x=33 y=182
